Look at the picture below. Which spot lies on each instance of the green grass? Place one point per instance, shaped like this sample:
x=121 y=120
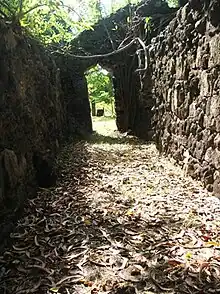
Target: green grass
x=104 y=125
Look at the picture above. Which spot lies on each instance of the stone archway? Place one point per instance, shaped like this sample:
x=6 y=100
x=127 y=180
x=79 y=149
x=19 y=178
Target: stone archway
x=124 y=65
x=111 y=44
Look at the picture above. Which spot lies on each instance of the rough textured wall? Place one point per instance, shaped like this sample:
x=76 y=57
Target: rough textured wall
x=37 y=111
x=185 y=89
x=126 y=89
x=105 y=38
x=75 y=92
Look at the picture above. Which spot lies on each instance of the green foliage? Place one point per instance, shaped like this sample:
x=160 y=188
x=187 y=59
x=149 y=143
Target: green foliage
x=17 y=9
x=87 y=11
x=117 y=4
x=99 y=85
x=50 y=21
x=173 y=3
x=148 y=23
x=93 y=10
x=52 y=24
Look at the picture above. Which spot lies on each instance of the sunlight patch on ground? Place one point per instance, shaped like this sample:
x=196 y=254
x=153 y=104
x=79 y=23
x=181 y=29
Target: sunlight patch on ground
x=104 y=126
x=122 y=219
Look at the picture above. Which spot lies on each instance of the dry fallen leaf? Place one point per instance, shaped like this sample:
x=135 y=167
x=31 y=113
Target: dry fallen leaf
x=158 y=229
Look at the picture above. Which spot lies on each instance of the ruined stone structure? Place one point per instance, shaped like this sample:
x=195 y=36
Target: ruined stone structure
x=40 y=105
x=175 y=100
x=106 y=36
x=184 y=91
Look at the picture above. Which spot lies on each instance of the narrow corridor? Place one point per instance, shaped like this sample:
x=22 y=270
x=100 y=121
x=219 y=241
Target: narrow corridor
x=122 y=219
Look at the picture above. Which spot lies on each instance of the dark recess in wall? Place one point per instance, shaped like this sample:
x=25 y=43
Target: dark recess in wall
x=45 y=174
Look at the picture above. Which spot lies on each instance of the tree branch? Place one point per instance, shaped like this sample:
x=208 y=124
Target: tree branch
x=33 y=7
x=107 y=54
x=72 y=9
x=2 y=13
x=5 y=5
x=20 y=6
x=146 y=57
x=100 y=56
x=41 y=5
x=108 y=34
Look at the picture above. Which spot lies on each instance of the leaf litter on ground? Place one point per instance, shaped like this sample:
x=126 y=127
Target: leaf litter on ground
x=121 y=219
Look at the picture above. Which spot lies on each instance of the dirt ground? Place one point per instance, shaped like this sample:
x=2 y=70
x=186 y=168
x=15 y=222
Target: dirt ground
x=122 y=219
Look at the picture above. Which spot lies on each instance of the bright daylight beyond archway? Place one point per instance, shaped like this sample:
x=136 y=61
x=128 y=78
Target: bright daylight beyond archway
x=101 y=92
x=101 y=97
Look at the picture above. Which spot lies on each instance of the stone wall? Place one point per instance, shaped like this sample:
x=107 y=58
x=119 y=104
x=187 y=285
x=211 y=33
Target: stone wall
x=38 y=110
x=104 y=38
x=183 y=84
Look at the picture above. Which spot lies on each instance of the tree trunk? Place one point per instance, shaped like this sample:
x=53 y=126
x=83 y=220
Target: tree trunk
x=93 y=108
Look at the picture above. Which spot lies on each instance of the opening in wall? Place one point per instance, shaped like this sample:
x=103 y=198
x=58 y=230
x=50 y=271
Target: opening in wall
x=101 y=95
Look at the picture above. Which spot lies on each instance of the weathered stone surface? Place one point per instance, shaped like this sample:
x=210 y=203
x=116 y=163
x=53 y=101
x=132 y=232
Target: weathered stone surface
x=188 y=72
x=38 y=110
